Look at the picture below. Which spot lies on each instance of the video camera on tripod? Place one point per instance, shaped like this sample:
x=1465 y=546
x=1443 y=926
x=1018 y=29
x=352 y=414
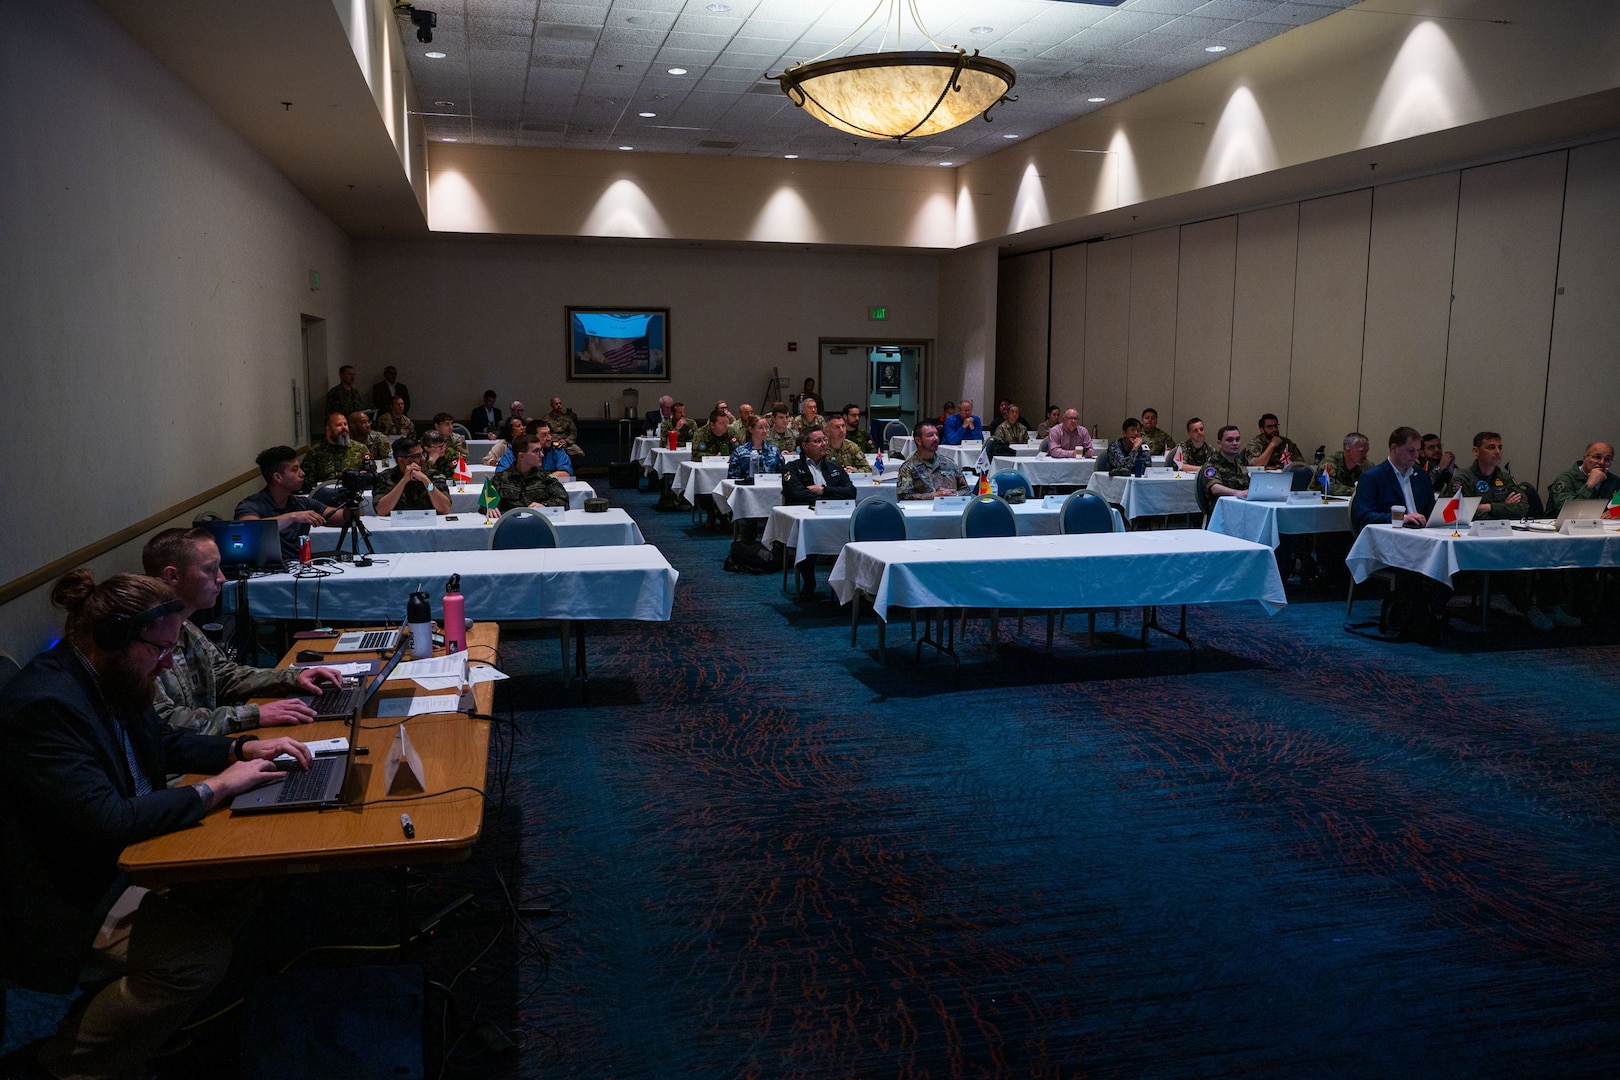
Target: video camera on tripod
x=355 y=483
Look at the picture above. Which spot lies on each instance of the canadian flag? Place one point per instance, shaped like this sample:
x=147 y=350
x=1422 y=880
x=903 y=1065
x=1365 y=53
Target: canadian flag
x=1180 y=461
x=463 y=474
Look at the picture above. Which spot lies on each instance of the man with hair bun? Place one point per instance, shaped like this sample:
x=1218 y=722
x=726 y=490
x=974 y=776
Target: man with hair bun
x=82 y=767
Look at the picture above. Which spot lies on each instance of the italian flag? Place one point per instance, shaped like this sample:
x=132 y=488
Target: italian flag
x=1613 y=510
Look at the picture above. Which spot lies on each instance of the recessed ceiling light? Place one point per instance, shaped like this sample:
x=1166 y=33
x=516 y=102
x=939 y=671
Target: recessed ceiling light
x=947 y=163
x=445 y=104
x=434 y=55
x=791 y=157
x=449 y=138
x=1214 y=48
x=718 y=9
x=981 y=29
x=1096 y=100
x=626 y=148
x=677 y=71
x=649 y=114
x=1009 y=136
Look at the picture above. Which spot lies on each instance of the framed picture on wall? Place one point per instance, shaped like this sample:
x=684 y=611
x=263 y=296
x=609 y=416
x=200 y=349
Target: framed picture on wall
x=611 y=344
x=887 y=375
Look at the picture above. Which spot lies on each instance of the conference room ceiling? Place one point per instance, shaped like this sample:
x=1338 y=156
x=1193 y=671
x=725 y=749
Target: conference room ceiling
x=582 y=74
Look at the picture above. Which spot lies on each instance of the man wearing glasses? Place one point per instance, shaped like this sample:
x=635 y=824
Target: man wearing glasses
x=203 y=691
x=408 y=486
x=83 y=762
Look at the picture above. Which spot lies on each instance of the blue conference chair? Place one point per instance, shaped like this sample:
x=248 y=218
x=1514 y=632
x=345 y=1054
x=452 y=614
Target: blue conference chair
x=525 y=527
x=988 y=516
x=874 y=519
x=1007 y=480
x=1083 y=512
x=983 y=517
x=890 y=430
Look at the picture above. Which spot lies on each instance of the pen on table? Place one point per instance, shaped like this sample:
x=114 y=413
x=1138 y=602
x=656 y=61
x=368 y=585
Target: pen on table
x=405 y=823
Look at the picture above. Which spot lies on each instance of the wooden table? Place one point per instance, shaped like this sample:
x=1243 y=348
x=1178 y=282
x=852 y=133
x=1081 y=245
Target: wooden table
x=454 y=749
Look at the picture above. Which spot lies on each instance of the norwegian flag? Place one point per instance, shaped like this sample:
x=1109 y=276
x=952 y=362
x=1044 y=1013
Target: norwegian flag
x=627 y=356
x=463 y=474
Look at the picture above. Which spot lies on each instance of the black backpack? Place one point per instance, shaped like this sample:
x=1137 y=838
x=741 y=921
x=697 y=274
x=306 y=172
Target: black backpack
x=753 y=557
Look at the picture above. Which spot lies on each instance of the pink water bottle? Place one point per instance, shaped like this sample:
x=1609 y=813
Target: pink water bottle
x=455 y=616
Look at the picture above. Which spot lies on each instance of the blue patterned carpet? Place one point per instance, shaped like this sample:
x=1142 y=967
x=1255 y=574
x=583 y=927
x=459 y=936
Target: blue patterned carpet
x=1313 y=855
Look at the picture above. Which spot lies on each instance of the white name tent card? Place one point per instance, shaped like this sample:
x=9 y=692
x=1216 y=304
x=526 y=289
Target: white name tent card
x=414 y=517
x=835 y=506
x=1490 y=528
x=951 y=502
x=1583 y=527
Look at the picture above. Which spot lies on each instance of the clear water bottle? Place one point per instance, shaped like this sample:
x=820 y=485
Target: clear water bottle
x=753 y=463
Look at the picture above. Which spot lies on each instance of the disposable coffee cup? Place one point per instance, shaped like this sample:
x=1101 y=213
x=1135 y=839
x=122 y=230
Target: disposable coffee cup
x=1397 y=515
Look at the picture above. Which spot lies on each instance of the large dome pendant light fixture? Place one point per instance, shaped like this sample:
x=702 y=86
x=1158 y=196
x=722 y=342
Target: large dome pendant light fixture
x=898 y=95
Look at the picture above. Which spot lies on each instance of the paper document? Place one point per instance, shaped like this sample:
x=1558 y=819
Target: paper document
x=438 y=682
x=483 y=673
x=357 y=667
x=418 y=705
x=441 y=666
x=321 y=747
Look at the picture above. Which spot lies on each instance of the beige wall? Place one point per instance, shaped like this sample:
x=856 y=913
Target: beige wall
x=1472 y=299
x=154 y=273
x=458 y=315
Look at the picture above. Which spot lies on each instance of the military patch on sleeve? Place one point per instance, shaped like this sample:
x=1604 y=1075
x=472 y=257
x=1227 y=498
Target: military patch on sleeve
x=1481 y=487
x=1210 y=472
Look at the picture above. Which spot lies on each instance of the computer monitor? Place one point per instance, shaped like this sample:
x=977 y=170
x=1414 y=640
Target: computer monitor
x=247 y=545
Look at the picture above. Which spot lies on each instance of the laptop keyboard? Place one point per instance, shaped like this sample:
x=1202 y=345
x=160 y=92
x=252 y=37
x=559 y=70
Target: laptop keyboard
x=376 y=640
x=302 y=785
x=338 y=701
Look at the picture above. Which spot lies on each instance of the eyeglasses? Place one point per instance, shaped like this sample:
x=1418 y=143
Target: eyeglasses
x=164 y=652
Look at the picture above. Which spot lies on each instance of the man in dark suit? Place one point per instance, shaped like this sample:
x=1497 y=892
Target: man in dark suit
x=1415 y=607
x=665 y=410
x=485 y=420
x=384 y=393
x=83 y=761
x=813 y=476
x=1390 y=483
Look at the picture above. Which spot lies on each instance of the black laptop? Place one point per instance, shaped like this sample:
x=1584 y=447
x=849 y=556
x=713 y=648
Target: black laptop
x=321 y=785
x=247 y=545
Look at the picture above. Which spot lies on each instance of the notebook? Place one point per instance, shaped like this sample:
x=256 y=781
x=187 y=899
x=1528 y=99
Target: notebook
x=1270 y=486
x=1452 y=512
x=304 y=789
x=367 y=641
x=338 y=702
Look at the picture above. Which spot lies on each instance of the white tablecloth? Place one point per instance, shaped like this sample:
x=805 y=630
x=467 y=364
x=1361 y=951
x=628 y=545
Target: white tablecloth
x=694 y=478
x=666 y=462
x=477 y=448
x=765 y=494
x=1175 y=566
x=1049 y=471
x=642 y=451
x=542 y=583
x=1437 y=554
x=464 y=499
x=468 y=532
x=809 y=533
x=1148 y=496
x=1265 y=522
x=901 y=447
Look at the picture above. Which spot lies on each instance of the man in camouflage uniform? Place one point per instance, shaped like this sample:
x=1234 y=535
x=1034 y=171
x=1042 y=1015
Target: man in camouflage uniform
x=1346 y=466
x=1195 y=452
x=375 y=442
x=526 y=483
x=1588 y=478
x=926 y=475
x=683 y=426
x=842 y=449
x=408 y=485
x=809 y=417
x=855 y=431
x=1225 y=474
x=204 y=692
x=328 y=458
x=394 y=423
x=715 y=439
x=781 y=435
x=564 y=431
x=745 y=420
x=1155 y=438
x=1266 y=449
x=1499 y=494
x=454 y=445
x=345 y=396
x=1127 y=451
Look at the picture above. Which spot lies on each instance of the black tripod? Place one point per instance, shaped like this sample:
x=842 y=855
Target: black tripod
x=355 y=531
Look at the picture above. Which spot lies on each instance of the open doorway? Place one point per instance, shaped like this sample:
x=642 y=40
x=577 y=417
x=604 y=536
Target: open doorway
x=312 y=333
x=886 y=378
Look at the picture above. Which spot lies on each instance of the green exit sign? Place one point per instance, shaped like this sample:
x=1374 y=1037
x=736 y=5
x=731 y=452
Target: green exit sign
x=877 y=313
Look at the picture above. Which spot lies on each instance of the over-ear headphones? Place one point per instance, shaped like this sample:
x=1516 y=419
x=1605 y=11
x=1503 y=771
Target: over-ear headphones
x=115 y=632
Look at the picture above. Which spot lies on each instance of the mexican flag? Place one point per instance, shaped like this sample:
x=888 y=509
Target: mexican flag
x=1613 y=509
